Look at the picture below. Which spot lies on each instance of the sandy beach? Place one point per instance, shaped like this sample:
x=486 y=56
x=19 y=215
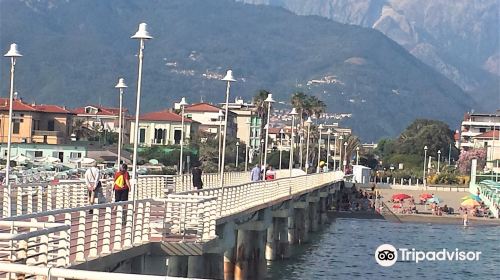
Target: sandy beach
x=452 y=199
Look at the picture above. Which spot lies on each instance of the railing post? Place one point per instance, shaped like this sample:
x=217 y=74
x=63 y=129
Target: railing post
x=44 y=250
x=127 y=242
x=80 y=241
x=117 y=244
x=39 y=199
x=106 y=234
x=146 y=225
x=138 y=223
x=21 y=257
x=29 y=208
x=19 y=200
x=94 y=232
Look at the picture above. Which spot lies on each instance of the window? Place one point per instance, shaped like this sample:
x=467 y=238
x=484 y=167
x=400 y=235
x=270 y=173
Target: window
x=50 y=125
x=482 y=129
x=177 y=136
x=36 y=124
x=75 y=155
x=16 y=126
x=159 y=133
x=142 y=135
x=38 y=154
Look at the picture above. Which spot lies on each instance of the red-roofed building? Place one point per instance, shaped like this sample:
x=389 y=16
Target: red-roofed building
x=476 y=128
x=163 y=128
x=208 y=117
x=97 y=116
x=35 y=123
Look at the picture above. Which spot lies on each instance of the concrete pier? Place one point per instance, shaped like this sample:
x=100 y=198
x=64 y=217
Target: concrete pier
x=291 y=229
x=196 y=267
x=250 y=261
x=177 y=266
x=229 y=264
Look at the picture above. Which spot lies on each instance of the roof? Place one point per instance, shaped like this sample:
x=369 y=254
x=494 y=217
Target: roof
x=51 y=109
x=202 y=107
x=489 y=134
x=19 y=105
x=102 y=110
x=165 y=116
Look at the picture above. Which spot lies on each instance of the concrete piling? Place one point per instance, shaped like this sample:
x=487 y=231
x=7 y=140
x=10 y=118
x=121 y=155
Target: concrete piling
x=177 y=266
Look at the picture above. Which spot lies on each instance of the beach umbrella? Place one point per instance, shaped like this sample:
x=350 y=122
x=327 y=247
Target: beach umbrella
x=434 y=199
x=400 y=196
x=426 y=196
x=470 y=203
x=472 y=196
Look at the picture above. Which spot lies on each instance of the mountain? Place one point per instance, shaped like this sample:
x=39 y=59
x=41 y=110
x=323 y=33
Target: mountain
x=458 y=38
x=74 y=51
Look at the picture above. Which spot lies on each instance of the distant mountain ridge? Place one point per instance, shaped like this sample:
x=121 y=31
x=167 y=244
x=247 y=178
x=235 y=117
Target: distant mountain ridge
x=74 y=58
x=458 y=38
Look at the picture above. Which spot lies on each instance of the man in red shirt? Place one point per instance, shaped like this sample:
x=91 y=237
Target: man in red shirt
x=122 y=184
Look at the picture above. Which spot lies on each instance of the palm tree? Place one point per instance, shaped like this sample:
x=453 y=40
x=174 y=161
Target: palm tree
x=261 y=108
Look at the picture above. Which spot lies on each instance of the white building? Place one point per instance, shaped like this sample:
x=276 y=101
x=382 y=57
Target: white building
x=475 y=130
x=163 y=128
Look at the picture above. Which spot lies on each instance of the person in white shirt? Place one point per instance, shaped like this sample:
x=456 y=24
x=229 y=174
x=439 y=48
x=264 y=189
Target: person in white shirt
x=92 y=180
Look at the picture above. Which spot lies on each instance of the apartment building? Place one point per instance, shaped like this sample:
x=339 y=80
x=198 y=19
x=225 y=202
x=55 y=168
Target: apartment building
x=35 y=123
x=477 y=130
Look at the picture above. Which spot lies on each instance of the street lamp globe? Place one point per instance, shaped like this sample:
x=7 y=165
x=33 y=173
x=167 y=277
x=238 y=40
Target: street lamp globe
x=142 y=33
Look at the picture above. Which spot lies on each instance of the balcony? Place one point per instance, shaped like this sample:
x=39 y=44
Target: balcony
x=47 y=133
x=481 y=123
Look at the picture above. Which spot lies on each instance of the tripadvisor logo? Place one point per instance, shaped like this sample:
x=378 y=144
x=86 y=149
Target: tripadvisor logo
x=387 y=255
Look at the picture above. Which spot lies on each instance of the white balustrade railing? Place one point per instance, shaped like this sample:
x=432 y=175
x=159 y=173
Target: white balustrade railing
x=189 y=217
x=39 y=197
x=34 y=243
x=98 y=229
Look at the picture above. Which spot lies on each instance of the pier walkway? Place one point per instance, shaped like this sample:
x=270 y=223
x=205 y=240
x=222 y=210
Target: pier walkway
x=221 y=233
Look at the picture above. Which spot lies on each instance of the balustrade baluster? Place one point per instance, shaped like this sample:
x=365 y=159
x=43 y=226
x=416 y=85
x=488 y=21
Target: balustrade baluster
x=117 y=240
x=94 y=233
x=19 y=200
x=80 y=240
x=138 y=223
x=127 y=240
x=146 y=226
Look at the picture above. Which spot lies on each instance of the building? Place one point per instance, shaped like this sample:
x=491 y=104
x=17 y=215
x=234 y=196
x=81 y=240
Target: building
x=163 y=128
x=102 y=117
x=208 y=117
x=64 y=152
x=247 y=121
x=35 y=123
x=475 y=128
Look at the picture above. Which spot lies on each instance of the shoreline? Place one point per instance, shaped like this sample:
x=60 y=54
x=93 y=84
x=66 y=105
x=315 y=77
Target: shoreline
x=415 y=218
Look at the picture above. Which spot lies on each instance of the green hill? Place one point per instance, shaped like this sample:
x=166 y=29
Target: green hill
x=75 y=50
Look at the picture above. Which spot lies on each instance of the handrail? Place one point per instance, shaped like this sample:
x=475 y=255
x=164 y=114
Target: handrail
x=49 y=272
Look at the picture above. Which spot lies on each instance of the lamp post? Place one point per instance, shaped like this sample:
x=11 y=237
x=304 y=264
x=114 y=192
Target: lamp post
x=425 y=163
x=121 y=86
x=439 y=159
x=220 y=116
x=301 y=144
x=341 y=159
x=13 y=53
x=293 y=113
x=308 y=123
x=247 y=146
x=320 y=127
x=237 y=153
x=282 y=133
x=262 y=141
x=142 y=35
x=228 y=79
x=268 y=100
x=183 y=104
x=328 y=150
x=357 y=155
x=345 y=156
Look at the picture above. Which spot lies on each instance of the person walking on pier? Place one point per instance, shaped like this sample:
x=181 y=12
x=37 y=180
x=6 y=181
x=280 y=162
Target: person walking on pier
x=255 y=173
x=197 y=182
x=121 y=184
x=92 y=180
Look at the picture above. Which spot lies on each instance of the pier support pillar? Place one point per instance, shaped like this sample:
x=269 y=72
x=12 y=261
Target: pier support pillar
x=250 y=261
x=283 y=250
x=196 y=267
x=271 y=240
x=229 y=261
x=177 y=266
x=214 y=266
x=292 y=234
x=313 y=216
x=307 y=225
x=323 y=217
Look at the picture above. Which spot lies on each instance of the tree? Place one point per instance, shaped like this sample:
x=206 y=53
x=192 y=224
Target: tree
x=465 y=160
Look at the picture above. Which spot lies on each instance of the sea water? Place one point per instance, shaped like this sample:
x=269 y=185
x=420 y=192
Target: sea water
x=345 y=249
